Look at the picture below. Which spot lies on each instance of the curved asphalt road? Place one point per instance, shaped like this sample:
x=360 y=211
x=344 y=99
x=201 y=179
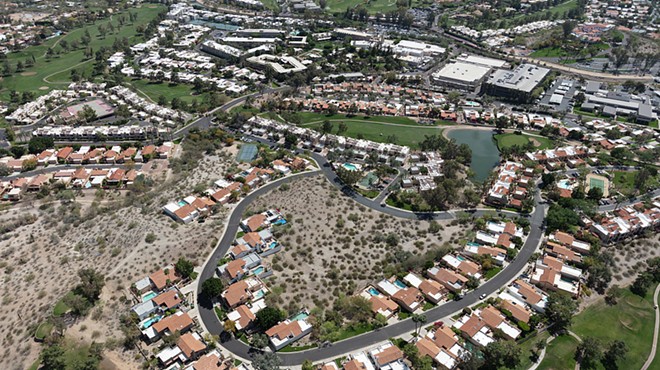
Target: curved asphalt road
x=240 y=349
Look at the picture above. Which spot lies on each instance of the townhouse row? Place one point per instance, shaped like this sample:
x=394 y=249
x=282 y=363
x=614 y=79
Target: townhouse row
x=513 y=184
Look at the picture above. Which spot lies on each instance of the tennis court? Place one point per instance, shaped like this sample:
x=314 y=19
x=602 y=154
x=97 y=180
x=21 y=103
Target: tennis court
x=596 y=181
x=248 y=153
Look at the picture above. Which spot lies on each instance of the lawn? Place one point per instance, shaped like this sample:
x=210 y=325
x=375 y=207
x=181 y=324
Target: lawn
x=559 y=354
x=624 y=181
x=509 y=140
x=528 y=348
x=292 y=348
x=630 y=320
x=404 y=135
x=373 y=6
x=492 y=272
x=55 y=72
x=43 y=330
x=153 y=90
x=548 y=52
x=311 y=117
x=354 y=330
x=61 y=307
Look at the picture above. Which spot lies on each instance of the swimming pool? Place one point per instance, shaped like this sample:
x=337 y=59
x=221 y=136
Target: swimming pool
x=181 y=203
x=350 y=166
x=564 y=184
x=259 y=294
x=473 y=244
x=281 y=221
x=272 y=245
x=149 y=296
x=300 y=316
x=460 y=258
x=373 y=291
x=400 y=284
x=147 y=323
x=259 y=270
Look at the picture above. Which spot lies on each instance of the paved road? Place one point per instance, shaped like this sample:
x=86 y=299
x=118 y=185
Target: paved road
x=55 y=168
x=654 y=347
x=240 y=349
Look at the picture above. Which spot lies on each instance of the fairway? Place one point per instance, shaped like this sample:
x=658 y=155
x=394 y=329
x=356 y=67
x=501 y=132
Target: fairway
x=311 y=117
x=55 y=73
x=154 y=90
x=631 y=320
x=373 y=6
x=511 y=139
x=559 y=354
x=405 y=135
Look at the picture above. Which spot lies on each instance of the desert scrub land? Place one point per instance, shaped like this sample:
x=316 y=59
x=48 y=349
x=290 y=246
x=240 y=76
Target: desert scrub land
x=333 y=245
x=123 y=235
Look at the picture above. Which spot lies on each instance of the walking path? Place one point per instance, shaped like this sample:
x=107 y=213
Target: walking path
x=649 y=360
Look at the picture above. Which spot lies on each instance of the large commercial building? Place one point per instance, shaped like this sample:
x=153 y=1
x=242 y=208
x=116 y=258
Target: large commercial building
x=463 y=76
x=516 y=84
x=280 y=64
x=220 y=50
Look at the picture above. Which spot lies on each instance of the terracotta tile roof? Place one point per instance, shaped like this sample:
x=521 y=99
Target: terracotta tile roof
x=184 y=211
x=147 y=150
x=563 y=238
x=519 y=312
x=285 y=329
x=255 y=221
x=252 y=238
x=528 y=291
x=431 y=287
x=237 y=293
x=445 y=337
x=168 y=299
x=469 y=267
x=427 y=348
x=159 y=278
x=235 y=267
x=210 y=362
x=408 y=296
x=354 y=365
x=64 y=152
x=388 y=355
x=246 y=316
x=473 y=325
x=379 y=303
x=492 y=316
x=190 y=345
x=173 y=323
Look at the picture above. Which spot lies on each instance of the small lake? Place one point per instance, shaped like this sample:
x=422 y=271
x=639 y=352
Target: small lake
x=485 y=155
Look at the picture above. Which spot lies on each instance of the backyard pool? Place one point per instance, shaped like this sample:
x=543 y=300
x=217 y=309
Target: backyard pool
x=272 y=245
x=350 y=166
x=565 y=184
x=300 y=316
x=400 y=284
x=473 y=244
x=460 y=258
x=281 y=221
x=147 y=323
x=259 y=294
x=373 y=291
x=149 y=296
x=259 y=270
x=181 y=203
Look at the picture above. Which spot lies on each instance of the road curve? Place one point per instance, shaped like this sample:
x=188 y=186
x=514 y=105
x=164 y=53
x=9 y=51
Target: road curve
x=240 y=349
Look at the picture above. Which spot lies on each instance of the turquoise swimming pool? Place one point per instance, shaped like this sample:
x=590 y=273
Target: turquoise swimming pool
x=259 y=270
x=151 y=321
x=373 y=291
x=259 y=294
x=272 y=245
x=300 y=316
x=281 y=221
x=473 y=244
x=460 y=258
x=564 y=184
x=400 y=284
x=149 y=296
x=181 y=203
x=350 y=166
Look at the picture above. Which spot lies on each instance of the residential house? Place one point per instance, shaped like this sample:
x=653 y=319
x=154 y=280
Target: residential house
x=388 y=357
x=449 y=279
x=191 y=346
x=383 y=305
x=164 y=278
x=409 y=298
x=287 y=332
x=529 y=294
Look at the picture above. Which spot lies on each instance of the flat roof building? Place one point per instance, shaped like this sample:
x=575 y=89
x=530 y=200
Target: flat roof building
x=516 y=84
x=459 y=75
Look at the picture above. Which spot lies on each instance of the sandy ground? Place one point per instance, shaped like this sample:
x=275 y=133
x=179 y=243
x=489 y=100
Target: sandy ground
x=40 y=259
x=322 y=259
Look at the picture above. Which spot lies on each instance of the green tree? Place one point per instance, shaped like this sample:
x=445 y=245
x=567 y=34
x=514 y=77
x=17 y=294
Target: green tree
x=38 y=144
x=52 y=357
x=560 y=310
x=502 y=353
x=268 y=317
x=212 y=287
x=348 y=177
x=184 y=268
x=326 y=128
x=259 y=341
x=341 y=128
x=615 y=352
x=91 y=284
x=595 y=193
x=266 y=361
x=589 y=352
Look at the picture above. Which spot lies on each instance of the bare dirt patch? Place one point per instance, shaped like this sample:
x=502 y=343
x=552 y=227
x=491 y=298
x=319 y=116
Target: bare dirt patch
x=31 y=73
x=335 y=245
x=535 y=142
x=43 y=88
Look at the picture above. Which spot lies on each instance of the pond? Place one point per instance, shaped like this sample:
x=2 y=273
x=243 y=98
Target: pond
x=485 y=155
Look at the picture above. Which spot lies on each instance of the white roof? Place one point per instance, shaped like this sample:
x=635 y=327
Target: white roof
x=462 y=72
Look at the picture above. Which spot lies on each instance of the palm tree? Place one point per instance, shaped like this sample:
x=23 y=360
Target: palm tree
x=419 y=321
